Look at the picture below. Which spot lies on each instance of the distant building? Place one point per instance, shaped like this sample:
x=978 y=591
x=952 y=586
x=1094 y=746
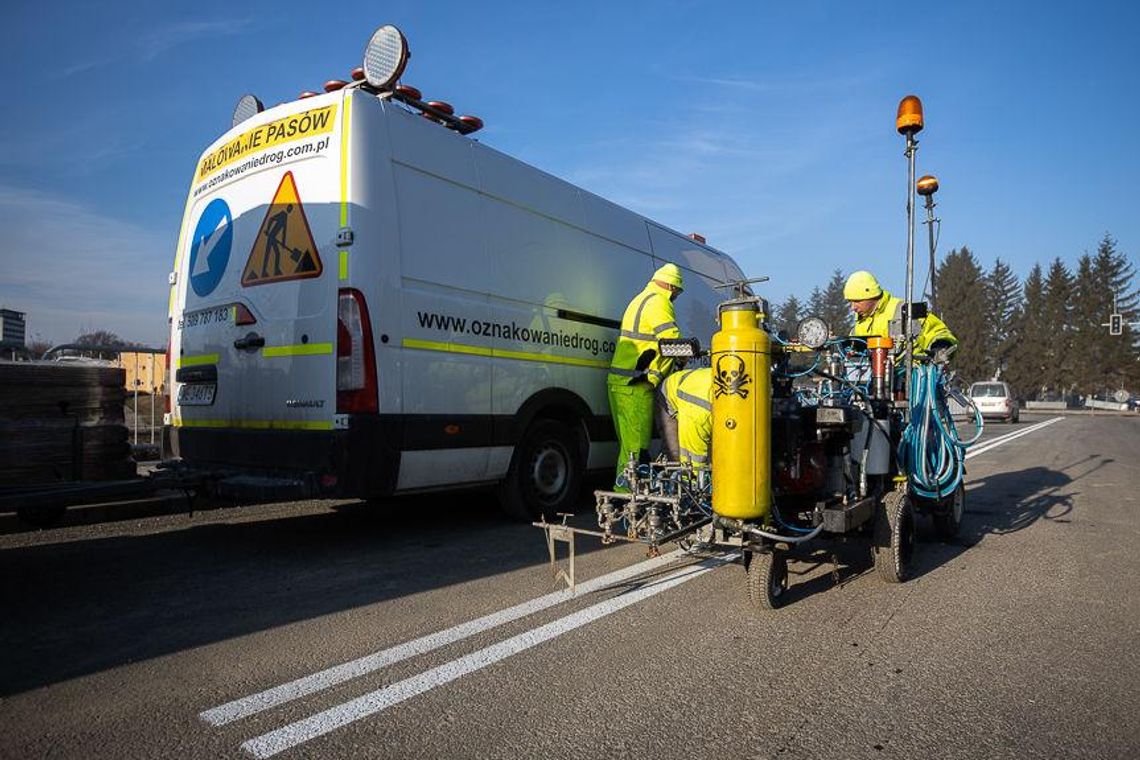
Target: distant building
x=146 y=371
x=13 y=330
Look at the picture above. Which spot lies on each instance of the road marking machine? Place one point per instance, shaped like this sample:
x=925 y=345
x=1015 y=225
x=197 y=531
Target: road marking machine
x=813 y=437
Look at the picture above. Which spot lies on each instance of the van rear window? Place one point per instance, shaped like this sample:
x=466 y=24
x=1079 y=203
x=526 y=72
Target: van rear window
x=990 y=390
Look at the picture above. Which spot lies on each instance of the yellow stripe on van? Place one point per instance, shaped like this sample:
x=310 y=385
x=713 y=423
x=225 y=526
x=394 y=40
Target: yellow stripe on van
x=343 y=274
x=257 y=424
x=301 y=349
x=499 y=353
x=195 y=361
x=344 y=160
x=178 y=251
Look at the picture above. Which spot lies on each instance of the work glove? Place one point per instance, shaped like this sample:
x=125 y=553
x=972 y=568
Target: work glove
x=941 y=350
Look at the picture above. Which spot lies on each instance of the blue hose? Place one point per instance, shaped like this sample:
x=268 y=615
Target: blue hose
x=931 y=452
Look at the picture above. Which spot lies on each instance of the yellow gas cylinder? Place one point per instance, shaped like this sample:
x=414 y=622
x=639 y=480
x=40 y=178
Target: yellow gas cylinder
x=742 y=413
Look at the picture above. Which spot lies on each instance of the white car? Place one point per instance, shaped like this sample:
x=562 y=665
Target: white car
x=995 y=399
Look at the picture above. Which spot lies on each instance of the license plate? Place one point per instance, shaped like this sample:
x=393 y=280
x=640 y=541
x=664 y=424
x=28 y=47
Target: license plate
x=197 y=394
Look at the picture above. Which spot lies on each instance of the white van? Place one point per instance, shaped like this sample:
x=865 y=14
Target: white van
x=369 y=302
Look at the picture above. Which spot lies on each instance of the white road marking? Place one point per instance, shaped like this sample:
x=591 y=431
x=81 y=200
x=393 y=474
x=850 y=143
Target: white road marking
x=995 y=442
x=322 y=723
x=255 y=703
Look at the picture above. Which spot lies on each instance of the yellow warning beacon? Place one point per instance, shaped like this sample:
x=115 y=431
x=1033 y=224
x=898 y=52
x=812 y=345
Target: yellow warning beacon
x=741 y=412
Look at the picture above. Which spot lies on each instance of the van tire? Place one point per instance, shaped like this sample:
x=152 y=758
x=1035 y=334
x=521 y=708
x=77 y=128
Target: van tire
x=546 y=471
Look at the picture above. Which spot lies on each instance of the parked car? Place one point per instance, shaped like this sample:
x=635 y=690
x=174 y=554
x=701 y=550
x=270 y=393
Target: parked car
x=994 y=399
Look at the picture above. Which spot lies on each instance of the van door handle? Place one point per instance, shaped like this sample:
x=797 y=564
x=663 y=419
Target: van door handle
x=251 y=342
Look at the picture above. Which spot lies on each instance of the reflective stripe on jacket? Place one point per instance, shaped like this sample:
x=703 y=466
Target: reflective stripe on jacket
x=648 y=318
x=878 y=322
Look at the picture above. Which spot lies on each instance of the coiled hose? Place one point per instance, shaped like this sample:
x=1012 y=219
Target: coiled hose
x=931 y=452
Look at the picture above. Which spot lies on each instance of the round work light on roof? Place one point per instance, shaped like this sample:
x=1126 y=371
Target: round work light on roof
x=247 y=106
x=385 y=57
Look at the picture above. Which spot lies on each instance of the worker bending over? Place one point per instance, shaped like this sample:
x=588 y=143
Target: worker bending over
x=876 y=308
x=684 y=415
x=638 y=368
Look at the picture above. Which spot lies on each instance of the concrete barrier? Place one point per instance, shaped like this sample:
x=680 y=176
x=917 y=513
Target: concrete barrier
x=1112 y=406
x=1050 y=405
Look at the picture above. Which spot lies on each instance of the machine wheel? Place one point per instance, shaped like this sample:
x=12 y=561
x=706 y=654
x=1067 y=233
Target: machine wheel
x=948 y=523
x=767 y=579
x=545 y=475
x=894 y=537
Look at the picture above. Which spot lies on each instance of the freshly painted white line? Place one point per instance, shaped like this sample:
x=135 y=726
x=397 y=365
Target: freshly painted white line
x=255 y=703
x=993 y=444
x=322 y=723
x=1007 y=436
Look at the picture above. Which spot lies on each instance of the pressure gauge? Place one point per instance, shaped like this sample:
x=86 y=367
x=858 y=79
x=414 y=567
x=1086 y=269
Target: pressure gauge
x=812 y=332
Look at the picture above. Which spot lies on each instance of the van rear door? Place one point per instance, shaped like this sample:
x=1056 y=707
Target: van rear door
x=254 y=324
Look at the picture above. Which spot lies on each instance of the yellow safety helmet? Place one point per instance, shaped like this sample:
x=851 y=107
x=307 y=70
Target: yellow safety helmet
x=671 y=274
x=861 y=285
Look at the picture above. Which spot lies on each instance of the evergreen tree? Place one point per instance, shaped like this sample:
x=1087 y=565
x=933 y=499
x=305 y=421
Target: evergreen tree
x=788 y=316
x=1091 y=301
x=1026 y=360
x=1114 y=273
x=1003 y=294
x=962 y=296
x=1059 y=370
x=829 y=304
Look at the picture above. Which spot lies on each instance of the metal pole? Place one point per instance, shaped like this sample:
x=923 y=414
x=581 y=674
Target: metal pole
x=930 y=220
x=136 y=421
x=152 y=390
x=911 y=149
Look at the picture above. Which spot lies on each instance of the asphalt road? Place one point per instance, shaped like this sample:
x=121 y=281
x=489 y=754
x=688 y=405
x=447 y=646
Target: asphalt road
x=145 y=638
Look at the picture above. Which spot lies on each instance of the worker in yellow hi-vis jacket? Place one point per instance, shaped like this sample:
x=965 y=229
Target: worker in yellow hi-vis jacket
x=875 y=308
x=638 y=368
x=684 y=415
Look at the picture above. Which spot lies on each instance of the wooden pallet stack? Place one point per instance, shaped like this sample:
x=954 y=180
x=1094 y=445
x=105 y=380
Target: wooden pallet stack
x=62 y=422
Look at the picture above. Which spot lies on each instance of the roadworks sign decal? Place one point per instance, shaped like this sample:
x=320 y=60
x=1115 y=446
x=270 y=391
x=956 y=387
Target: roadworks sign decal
x=284 y=247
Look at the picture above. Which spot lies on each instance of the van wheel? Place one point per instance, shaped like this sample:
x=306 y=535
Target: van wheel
x=545 y=473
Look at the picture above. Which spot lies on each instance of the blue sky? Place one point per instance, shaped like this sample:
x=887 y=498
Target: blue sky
x=767 y=127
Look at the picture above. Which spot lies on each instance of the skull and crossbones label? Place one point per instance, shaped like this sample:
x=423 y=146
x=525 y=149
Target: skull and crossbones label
x=730 y=378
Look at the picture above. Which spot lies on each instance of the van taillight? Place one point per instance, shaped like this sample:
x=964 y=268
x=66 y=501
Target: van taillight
x=356 y=390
